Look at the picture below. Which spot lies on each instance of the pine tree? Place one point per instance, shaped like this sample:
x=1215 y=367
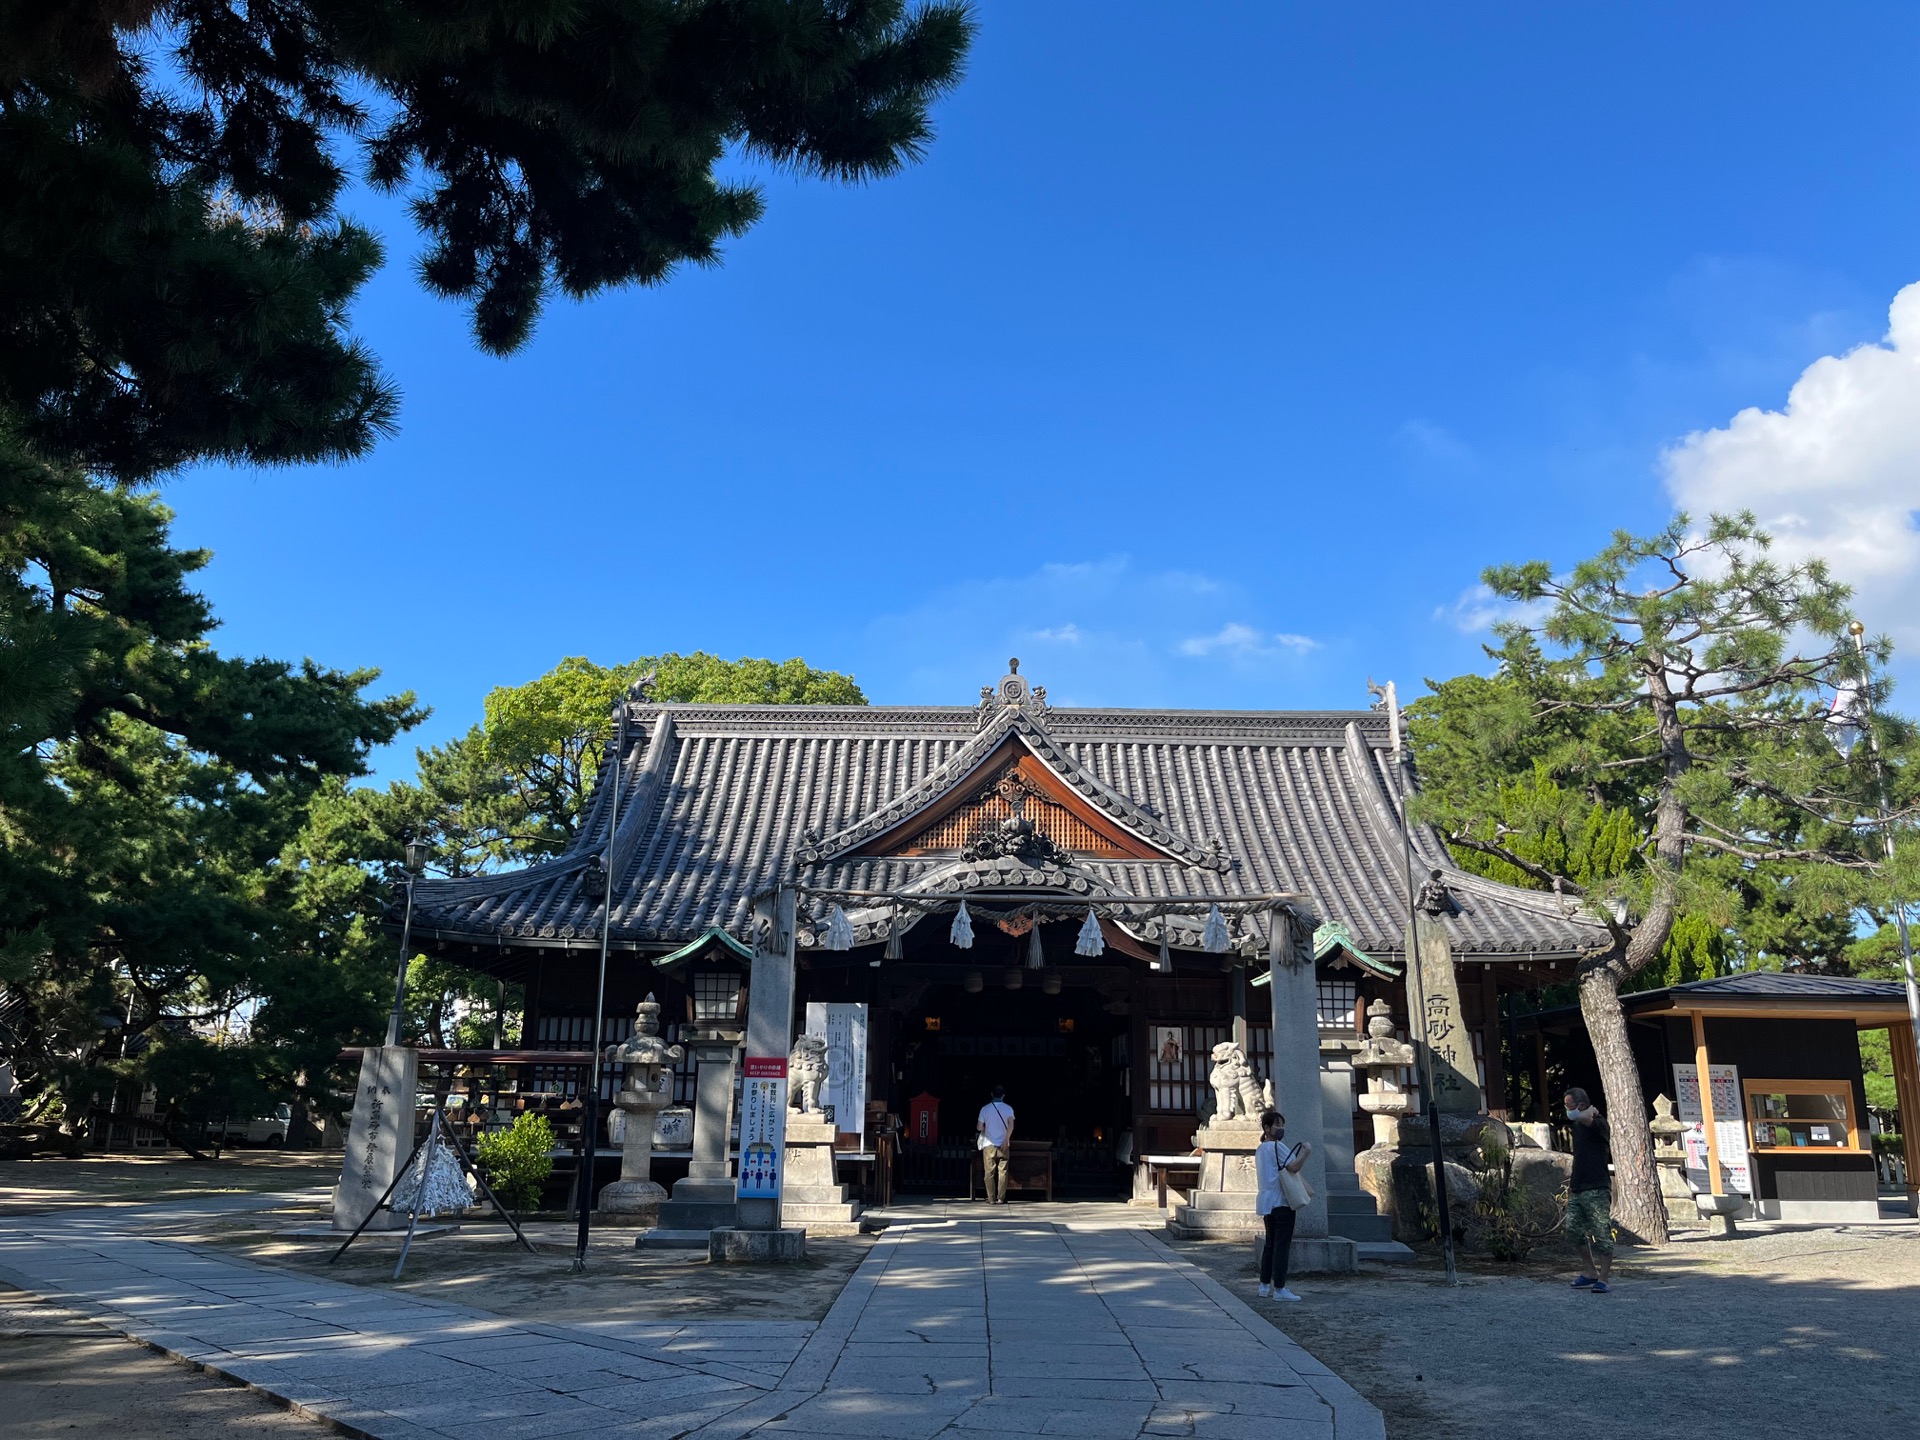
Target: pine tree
x=1680 y=680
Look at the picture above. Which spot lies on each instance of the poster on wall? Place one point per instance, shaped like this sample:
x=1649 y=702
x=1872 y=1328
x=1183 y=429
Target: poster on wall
x=763 y=1125
x=1166 y=1047
x=845 y=1028
x=1729 y=1124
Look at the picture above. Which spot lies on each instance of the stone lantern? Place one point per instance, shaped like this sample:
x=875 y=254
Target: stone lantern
x=1383 y=1058
x=644 y=1092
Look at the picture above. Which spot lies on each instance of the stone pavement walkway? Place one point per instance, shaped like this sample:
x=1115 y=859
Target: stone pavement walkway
x=958 y=1328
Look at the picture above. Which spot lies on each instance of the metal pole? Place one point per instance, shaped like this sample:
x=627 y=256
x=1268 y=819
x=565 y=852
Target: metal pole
x=1858 y=631
x=1416 y=1021
x=400 y=974
x=590 y=1119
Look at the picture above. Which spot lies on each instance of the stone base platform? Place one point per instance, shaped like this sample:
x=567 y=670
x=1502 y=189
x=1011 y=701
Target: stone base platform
x=757 y=1247
x=1325 y=1255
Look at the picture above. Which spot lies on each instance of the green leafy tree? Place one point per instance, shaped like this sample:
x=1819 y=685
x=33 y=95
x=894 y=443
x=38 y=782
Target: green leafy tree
x=514 y=788
x=1681 y=679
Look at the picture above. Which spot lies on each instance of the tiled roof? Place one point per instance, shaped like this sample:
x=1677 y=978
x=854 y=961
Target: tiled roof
x=720 y=802
x=1777 y=985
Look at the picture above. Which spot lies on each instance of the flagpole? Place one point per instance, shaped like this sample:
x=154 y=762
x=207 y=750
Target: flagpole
x=1859 y=633
x=590 y=1143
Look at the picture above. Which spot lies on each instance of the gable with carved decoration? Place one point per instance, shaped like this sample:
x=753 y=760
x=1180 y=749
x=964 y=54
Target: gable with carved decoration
x=1014 y=806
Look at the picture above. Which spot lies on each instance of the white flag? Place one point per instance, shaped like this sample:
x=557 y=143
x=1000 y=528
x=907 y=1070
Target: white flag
x=1844 y=724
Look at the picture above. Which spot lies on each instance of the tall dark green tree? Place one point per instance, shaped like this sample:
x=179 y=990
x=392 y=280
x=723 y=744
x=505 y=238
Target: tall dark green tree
x=176 y=270
x=146 y=805
x=1655 y=744
x=175 y=265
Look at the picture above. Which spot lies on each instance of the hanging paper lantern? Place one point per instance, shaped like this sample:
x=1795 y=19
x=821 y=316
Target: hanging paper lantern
x=1090 y=941
x=839 y=934
x=1214 y=935
x=1036 y=957
x=962 y=932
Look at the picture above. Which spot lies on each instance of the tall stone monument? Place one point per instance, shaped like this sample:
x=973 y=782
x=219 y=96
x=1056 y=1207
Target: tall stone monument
x=705 y=1199
x=1455 y=1077
x=379 y=1137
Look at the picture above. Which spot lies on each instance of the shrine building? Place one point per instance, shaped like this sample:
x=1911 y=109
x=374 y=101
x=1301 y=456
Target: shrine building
x=1123 y=874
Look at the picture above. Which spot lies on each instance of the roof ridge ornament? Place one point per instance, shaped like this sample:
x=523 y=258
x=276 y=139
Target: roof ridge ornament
x=1012 y=693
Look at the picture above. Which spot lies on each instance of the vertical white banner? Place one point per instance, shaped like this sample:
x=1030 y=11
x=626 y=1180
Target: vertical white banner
x=845 y=1029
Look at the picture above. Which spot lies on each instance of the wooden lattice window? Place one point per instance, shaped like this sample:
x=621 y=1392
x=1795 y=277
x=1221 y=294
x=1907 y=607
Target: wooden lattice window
x=1178 y=1059
x=1335 y=1000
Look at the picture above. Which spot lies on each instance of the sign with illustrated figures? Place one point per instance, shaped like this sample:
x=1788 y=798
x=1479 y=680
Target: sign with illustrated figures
x=845 y=1093
x=763 y=1125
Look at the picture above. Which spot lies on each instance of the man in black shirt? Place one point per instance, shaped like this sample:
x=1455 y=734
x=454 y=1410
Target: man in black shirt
x=1590 y=1192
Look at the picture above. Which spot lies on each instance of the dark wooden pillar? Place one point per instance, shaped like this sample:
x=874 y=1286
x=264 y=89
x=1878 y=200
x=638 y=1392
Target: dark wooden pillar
x=1499 y=1102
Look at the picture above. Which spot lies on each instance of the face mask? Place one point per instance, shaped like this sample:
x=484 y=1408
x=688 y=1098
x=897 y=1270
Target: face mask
x=1279 y=1132
x=1573 y=1112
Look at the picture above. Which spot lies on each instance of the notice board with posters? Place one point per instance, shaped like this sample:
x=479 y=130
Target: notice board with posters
x=1729 y=1123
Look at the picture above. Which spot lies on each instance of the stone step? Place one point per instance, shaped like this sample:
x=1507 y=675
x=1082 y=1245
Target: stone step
x=661 y=1239
x=817 y=1194
x=1384 y=1252
x=1361 y=1204
x=808 y=1217
x=1368 y=1228
x=1235 y=1200
x=697 y=1215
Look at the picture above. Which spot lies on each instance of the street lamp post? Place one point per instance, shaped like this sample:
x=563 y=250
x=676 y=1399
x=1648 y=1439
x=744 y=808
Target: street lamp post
x=416 y=861
x=1859 y=633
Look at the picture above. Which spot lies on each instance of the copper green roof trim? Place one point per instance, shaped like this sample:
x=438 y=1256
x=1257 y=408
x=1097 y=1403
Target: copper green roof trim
x=1335 y=936
x=687 y=952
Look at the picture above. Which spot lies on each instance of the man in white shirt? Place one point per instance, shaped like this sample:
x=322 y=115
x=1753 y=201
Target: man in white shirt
x=995 y=1129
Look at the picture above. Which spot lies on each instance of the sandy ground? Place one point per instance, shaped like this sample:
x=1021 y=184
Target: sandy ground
x=1793 y=1331
x=62 y=1377
x=480 y=1265
x=30 y=1187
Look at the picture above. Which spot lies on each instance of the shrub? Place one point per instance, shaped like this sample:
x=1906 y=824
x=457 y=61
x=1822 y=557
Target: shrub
x=1508 y=1221
x=517 y=1162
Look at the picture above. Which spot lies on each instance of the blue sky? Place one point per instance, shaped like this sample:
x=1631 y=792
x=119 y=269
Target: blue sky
x=1207 y=359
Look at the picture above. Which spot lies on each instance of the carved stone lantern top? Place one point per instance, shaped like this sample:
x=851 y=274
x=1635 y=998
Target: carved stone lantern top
x=1666 y=1130
x=1380 y=1021
x=645 y=1047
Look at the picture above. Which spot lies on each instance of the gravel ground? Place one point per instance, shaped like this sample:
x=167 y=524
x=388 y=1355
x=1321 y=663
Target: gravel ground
x=1788 y=1331
x=59 y=1376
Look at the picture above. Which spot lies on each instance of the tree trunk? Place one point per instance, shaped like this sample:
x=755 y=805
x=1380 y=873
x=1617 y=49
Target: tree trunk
x=1637 y=1203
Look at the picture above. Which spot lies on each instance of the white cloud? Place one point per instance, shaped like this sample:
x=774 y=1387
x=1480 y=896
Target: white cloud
x=1477 y=609
x=1835 y=473
x=1245 y=642
x=1428 y=441
x=1232 y=636
x=1134 y=638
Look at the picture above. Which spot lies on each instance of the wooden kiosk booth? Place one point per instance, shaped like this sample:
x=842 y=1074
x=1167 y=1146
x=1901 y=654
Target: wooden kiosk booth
x=1765 y=1069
